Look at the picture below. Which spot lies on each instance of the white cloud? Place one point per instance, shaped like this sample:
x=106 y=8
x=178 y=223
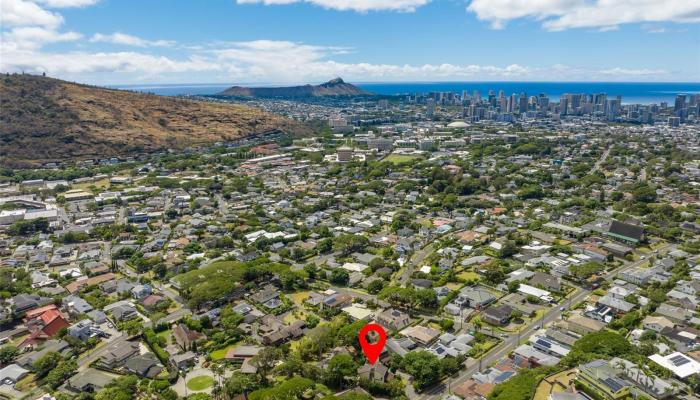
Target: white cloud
x=61 y=64
x=352 y=5
x=278 y=62
x=33 y=37
x=25 y=13
x=624 y=72
x=67 y=3
x=129 y=40
x=27 y=28
x=557 y=15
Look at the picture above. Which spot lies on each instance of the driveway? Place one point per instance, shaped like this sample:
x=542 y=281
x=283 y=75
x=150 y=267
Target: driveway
x=181 y=385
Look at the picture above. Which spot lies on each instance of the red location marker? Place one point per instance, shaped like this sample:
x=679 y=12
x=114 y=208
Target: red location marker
x=372 y=350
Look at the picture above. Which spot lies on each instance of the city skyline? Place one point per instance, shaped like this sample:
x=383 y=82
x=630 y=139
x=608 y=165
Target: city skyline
x=287 y=41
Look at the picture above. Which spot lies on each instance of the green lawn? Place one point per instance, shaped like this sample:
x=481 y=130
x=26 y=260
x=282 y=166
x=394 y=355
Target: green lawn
x=400 y=158
x=165 y=335
x=469 y=276
x=200 y=383
x=221 y=353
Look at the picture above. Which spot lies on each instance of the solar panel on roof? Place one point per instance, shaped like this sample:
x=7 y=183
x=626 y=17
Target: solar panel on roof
x=504 y=376
x=613 y=384
x=544 y=343
x=679 y=360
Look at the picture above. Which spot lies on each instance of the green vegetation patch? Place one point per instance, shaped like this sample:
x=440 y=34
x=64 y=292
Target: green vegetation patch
x=217 y=280
x=401 y=158
x=200 y=383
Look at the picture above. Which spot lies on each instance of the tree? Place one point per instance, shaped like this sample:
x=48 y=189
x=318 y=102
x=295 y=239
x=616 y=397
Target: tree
x=290 y=389
x=265 y=361
x=520 y=387
x=240 y=383
x=311 y=270
x=423 y=366
x=347 y=244
x=45 y=364
x=375 y=286
x=8 y=354
x=123 y=388
x=340 y=367
x=60 y=373
x=604 y=344
x=509 y=248
x=339 y=276
x=427 y=298
x=644 y=194
x=494 y=274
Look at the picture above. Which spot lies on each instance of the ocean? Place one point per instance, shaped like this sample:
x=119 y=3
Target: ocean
x=631 y=92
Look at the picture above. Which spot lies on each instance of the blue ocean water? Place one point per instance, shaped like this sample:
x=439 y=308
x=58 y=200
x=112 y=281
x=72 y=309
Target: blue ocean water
x=631 y=92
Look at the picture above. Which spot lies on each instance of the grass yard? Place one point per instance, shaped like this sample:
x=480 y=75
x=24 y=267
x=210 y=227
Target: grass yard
x=401 y=158
x=165 y=335
x=299 y=297
x=468 y=276
x=200 y=383
x=100 y=184
x=221 y=353
x=290 y=317
x=26 y=383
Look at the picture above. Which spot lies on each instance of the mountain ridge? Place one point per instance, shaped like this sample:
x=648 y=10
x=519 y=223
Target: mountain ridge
x=47 y=120
x=334 y=87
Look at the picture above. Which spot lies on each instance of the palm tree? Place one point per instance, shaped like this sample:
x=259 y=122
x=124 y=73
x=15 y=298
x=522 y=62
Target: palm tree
x=648 y=374
x=477 y=324
x=621 y=365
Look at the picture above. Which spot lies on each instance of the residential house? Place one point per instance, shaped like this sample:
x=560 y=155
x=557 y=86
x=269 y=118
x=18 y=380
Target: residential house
x=376 y=373
x=124 y=312
x=657 y=324
x=601 y=381
x=393 y=319
x=144 y=365
x=546 y=281
x=117 y=354
x=584 y=325
x=185 y=336
x=627 y=233
x=497 y=315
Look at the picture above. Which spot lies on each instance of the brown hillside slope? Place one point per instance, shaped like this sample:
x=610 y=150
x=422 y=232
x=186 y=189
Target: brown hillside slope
x=44 y=119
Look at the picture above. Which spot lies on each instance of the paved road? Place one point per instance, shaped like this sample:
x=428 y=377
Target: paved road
x=418 y=257
x=415 y=260
x=500 y=351
x=511 y=342
x=602 y=159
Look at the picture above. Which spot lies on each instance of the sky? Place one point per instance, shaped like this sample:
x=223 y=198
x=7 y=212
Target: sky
x=294 y=41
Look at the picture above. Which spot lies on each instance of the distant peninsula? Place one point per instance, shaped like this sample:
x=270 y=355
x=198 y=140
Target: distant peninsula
x=334 y=87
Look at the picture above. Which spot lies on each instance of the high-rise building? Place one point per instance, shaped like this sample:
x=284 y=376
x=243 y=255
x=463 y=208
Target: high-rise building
x=563 y=104
x=680 y=102
x=612 y=109
x=430 y=109
x=522 y=103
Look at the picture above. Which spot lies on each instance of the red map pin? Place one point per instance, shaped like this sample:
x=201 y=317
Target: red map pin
x=372 y=350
